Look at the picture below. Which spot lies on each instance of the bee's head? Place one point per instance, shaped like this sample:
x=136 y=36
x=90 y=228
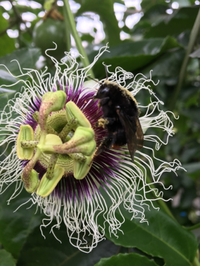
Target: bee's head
x=103 y=91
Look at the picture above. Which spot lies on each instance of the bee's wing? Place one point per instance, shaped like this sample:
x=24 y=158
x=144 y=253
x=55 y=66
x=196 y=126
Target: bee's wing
x=139 y=134
x=134 y=134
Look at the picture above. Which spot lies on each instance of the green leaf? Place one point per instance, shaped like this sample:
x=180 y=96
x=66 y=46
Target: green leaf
x=27 y=58
x=156 y=12
x=185 y=2
x=7 y=44
x=180 y=21
x=163 y=238
x=6 y=78
x=51 y=252
x=167 y=67
x=16 y=226
x=104 y=8
x=126 y=260
x=195 y=54
x=7 y=89
x=146 y=4
x=134 y=55
x=6 y=258
x=193 y=169
x=5 y=95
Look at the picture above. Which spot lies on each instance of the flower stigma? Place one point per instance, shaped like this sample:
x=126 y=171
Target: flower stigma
x=51 y=130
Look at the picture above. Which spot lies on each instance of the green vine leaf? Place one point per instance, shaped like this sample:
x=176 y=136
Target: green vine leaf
x=126 y=260
x=104 y=8
x=161 y=237
x=6 y=258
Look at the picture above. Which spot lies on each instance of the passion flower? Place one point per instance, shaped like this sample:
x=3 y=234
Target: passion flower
x=52 y=127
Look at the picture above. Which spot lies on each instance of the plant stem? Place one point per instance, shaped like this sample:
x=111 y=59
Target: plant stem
x=196 y=262
x=76 y=37
x=192 y=227
x=67 y=33
x=193 y=37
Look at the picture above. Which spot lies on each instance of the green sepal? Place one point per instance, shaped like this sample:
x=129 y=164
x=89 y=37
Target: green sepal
x=25 y=134
x=82 y=168
x=48 y=185
x=73 y=111
x=32 y=183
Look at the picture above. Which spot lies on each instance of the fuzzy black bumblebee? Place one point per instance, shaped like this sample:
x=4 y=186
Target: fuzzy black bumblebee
x=120 y=118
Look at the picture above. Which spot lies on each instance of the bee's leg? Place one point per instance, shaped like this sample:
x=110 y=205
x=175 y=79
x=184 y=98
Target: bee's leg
x=108 y=142
x=111 y=120
x=106 y=122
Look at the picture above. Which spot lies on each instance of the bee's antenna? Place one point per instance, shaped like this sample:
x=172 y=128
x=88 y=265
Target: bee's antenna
x=106 y=69
x=93 y=79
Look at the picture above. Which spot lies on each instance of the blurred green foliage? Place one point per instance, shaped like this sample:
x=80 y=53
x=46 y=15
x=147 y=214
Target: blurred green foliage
x=157 y=40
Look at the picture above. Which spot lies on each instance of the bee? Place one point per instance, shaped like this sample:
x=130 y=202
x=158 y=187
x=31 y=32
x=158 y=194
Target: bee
x=120 y=118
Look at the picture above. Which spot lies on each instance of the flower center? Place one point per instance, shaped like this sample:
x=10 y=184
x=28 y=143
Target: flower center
x=63 y=143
